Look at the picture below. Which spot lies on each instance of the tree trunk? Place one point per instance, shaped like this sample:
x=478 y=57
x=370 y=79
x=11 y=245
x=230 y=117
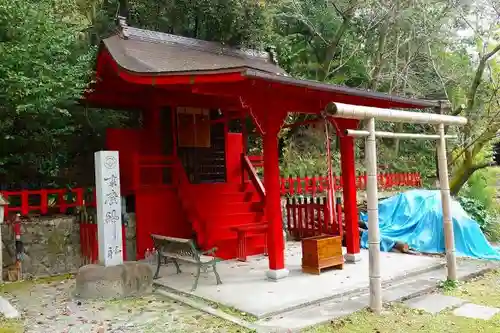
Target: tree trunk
x=459 y=178
x=463 y=173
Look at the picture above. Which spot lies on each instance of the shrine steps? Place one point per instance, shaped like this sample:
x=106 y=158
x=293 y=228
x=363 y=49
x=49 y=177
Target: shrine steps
x=222 y=207
x=225 y=208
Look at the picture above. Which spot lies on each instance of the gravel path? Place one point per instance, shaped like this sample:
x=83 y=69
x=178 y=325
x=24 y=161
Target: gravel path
x=49 y=307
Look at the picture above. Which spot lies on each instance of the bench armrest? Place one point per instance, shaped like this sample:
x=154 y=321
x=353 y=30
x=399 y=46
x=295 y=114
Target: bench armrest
x=211 y=251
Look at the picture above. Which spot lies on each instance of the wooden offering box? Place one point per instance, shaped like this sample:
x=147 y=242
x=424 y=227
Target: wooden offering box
x=321 y=252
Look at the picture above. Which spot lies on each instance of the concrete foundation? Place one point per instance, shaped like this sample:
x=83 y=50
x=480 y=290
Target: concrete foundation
x=275 y=275
x=247 y=288
x=352 y=257
x=100 y=282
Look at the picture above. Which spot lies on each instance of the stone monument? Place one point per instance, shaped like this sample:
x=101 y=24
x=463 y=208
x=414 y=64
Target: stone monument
x=111 y=278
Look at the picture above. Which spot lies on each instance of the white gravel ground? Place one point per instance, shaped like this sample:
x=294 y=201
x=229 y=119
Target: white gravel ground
x=48 y=306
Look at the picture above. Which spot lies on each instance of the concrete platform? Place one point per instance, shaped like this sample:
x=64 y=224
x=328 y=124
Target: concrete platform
x=246 y=288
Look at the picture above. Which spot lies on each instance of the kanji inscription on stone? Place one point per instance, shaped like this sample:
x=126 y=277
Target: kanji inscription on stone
x=109 y=210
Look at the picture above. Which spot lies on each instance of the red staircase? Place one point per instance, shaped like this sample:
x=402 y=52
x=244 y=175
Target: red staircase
x=224 y=207
x=215 y=209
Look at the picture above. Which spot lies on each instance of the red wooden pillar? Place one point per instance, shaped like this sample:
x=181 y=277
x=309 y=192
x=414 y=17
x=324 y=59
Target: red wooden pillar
x=275 y=241
x=350 y=203
x=244 y=134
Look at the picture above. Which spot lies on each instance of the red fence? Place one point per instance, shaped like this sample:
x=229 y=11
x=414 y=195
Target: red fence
x=89 y=246
x=47 y=201
x=317 y=184
x=307 y=217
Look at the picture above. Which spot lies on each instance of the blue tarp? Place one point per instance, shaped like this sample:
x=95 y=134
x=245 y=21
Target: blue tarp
x=416 y=218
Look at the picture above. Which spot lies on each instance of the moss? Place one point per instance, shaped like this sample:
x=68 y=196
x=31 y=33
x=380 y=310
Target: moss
x=10 y=326
x=483 y=290
x=56 y=242
x=10 y=287
x=398 y=318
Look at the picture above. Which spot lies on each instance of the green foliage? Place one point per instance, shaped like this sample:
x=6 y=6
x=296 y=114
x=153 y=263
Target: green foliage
x=449 y=285
x=480 y=186
x=478 y=199
x=45 y=65
x=47 y=50
x=488 y=222
x=233 y=22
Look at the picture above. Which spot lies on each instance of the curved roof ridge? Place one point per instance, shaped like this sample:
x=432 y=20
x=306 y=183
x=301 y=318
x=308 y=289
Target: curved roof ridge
x=197 y=44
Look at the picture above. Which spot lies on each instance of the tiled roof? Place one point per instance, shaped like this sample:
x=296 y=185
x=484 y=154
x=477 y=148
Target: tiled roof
x=145 y=51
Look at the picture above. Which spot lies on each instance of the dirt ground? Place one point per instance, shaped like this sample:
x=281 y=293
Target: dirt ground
x=47 y=305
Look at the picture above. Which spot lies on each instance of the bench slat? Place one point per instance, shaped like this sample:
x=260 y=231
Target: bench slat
x=171 y=239
x=203 y=259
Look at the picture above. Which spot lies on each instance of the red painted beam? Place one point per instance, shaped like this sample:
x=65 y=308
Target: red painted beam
x=347 y=160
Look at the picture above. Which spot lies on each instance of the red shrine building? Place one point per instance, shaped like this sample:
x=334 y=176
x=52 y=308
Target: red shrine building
x=187 y=168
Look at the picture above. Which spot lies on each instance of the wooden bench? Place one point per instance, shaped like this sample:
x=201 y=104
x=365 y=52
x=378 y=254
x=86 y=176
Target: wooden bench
x=184 y=250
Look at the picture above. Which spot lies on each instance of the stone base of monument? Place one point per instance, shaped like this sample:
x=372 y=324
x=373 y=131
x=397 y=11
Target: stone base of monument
x=100 y=282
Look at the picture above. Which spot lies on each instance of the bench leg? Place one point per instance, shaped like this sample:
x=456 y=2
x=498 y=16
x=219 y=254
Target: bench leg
x=177 y=266
x=195 y=284
x=158 y=267
x=217 y=277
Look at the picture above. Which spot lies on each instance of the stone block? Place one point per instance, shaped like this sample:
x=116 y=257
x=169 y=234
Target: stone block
x=100 y=282
x=476 y=311
x=433 y=303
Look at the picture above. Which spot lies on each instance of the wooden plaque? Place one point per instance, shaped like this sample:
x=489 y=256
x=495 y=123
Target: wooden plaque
x=193 y=127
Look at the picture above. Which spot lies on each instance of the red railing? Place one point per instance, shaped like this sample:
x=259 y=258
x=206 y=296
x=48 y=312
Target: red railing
x=308 y=217
x=153 y=170
x=314 y=184
x=249 y=167
x=47 y=201
x=256 y=160
x=319 y=184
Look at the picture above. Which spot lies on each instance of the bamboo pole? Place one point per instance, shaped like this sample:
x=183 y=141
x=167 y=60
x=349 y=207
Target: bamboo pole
x=331 y=191
x=380 y=134
x=373 y=226
x=449 y=239
x=341 y=110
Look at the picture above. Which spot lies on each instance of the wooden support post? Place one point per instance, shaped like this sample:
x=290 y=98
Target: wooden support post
x=449 y=239
x=350 y=201
x=373 y=226
x=276 y=245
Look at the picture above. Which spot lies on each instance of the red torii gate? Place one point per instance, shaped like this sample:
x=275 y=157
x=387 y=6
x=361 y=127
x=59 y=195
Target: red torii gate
x=147 y=71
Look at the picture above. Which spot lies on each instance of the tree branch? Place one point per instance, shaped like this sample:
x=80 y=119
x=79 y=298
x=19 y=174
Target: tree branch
x=471 y=95
x=437 y=71
x=480 y=166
